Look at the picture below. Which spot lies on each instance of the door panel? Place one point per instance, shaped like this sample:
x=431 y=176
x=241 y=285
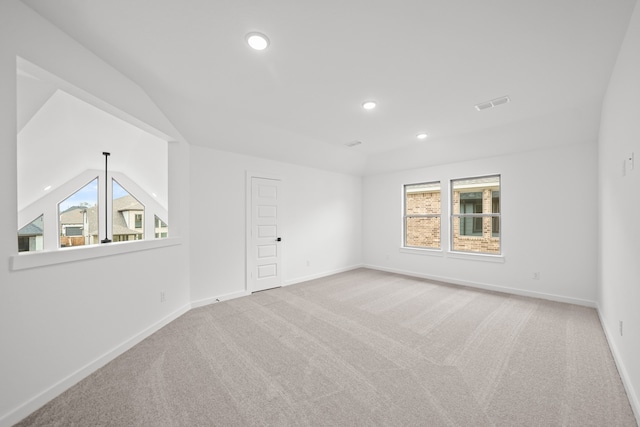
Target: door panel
x=266 y=251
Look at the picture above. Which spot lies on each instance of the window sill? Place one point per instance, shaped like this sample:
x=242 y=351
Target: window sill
x=476 y=256
x=421 y=251
x=27 y=260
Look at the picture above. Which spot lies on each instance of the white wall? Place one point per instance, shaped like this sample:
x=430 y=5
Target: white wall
x=322 y=214
x=548 y=203
x=57 y=322
x=619 y=209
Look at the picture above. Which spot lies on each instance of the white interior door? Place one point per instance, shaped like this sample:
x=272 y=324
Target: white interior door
x=265 y=251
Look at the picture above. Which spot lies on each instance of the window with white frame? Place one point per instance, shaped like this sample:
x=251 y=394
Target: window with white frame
x=475 y=215
x=422 y=215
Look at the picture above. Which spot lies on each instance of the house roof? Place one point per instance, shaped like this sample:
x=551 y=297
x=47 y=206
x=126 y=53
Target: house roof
x=127 y=203
x=73 y=215
x=119 y=226
x=34 y=228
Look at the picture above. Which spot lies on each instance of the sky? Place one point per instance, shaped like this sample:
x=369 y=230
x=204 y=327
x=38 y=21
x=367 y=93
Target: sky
x=88 y=195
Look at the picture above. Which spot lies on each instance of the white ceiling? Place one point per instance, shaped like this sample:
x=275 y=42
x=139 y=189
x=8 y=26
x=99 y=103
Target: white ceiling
x=427 y=63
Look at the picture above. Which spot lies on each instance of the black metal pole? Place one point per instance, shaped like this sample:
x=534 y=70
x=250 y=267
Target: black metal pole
x=106 y=197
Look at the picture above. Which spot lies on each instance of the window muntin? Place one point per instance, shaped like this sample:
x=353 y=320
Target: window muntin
x=422 y=215
x=78 y=217
x=475 y=215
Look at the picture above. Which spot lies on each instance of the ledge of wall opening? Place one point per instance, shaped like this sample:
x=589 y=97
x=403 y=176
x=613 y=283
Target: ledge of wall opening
x=40 y=259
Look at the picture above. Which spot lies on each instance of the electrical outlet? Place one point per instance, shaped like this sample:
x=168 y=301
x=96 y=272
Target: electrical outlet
x=535 y=275
x=162 y=297
x=629 y=164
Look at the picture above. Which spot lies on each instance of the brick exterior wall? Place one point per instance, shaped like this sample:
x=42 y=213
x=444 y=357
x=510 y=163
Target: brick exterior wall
x=485 y=243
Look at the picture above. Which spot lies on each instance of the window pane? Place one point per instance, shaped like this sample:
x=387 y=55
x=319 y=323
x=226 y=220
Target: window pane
x=30 y=237
x=423 y=232
x=78 y=215
x=476 y=215
x=161 y=228
x=495 y=201
x=470 y=226
x=128 y=215
x=422 y=215
x=422 y=199
x=495 y=227
x=474 y=242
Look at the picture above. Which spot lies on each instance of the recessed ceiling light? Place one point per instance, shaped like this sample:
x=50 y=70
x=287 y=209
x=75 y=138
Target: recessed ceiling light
x=422 y=135
x=257 y=41
x=369 y=105
x=47 y=188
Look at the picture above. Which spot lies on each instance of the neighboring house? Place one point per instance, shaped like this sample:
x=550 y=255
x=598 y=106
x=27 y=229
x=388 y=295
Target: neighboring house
x=74 y=226
x=79 y=225
x=128 y=219
x=30 y=237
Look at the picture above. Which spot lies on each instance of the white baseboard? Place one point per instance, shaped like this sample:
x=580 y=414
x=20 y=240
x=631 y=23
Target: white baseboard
x=224 y=297
x=320 y=275
x=55 y=390
x=488 y=287
x=622 y=370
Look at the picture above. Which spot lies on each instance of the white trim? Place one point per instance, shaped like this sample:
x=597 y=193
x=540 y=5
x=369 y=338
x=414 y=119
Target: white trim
x=421 y=251
x=476 y=256
x=622 y=370
x=320 y=275
x=26 y=260
x=220 y=298
x=486 y=286
x=58 y=388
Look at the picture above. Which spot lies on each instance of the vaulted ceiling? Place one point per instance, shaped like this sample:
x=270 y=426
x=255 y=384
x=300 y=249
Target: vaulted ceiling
x=61 y=136
x=427 y=63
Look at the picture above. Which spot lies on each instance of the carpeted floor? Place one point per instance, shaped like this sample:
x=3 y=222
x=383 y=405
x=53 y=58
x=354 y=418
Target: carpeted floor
x=361 y=348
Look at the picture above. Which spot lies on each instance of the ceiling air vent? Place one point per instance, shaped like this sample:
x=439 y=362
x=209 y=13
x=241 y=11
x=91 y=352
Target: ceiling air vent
x=493 y=103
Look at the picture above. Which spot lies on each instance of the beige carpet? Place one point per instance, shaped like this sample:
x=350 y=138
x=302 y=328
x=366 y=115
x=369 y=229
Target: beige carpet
x=362 y=348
